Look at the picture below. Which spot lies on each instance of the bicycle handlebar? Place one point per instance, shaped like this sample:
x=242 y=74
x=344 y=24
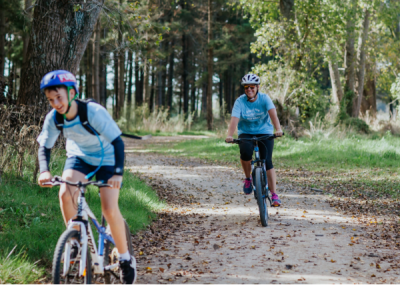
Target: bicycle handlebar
x=57 y=180
x=271 y=137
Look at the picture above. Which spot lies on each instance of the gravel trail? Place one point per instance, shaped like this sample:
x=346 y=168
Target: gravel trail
x=223 y=241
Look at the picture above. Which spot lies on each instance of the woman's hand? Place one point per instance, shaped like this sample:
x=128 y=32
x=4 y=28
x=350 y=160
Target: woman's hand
x=279 y=133
x=229 y=139
x=115 y=181
x=43 y=178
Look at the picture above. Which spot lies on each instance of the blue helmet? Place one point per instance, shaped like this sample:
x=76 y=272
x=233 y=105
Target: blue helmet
x=59 y=77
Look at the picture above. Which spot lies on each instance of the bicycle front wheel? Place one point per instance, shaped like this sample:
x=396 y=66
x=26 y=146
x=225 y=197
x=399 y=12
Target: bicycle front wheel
x=261 y=199
x=69 y=274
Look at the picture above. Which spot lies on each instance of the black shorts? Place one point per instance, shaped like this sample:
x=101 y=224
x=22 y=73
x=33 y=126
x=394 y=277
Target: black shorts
x=265 y=146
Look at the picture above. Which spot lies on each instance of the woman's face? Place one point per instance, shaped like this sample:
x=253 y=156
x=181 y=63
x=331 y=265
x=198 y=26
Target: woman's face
x=251 y=90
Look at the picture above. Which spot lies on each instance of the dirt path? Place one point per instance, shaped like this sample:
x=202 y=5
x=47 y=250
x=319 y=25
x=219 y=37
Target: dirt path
x=306 y=241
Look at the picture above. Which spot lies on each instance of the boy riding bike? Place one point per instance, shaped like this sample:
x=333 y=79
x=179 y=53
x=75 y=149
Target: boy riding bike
x=100 y=152
x=252 y=114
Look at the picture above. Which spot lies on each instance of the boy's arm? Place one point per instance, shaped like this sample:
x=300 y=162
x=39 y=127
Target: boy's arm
x=44 y=158
x=119 y=154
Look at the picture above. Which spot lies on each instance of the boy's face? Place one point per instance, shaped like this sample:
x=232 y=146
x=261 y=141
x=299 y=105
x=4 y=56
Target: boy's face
x=58 y=99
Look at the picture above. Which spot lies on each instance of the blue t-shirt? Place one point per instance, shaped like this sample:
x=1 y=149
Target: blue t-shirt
x=80 y=142
x=253 y=116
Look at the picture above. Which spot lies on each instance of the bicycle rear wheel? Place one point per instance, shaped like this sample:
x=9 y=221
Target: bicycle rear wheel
x=69 y=237
x=111 y=257
x=261 y=199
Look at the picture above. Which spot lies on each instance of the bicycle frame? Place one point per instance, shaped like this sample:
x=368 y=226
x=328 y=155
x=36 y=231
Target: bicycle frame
x=87 y=238
x=260 y=163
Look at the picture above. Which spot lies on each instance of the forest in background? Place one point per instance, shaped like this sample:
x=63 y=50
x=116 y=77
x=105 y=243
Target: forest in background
x=187 y=57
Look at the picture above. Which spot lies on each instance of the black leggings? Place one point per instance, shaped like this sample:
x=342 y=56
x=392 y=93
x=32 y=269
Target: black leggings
x=265 y=146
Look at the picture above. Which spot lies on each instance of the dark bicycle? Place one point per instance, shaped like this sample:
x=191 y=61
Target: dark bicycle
x=259 y=175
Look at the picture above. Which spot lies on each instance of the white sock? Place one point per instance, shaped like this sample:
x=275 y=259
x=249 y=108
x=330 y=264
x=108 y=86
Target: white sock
x=124 y=256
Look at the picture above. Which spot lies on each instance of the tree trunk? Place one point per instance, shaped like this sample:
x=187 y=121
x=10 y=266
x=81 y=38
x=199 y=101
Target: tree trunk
x=89 y=69
x=138 y=93
x=28 y=11
x=68 y=31
x=129 y=99
x=171 y=74
x=369 y=95
x=337 y=90
x=116 y=85
x=361 y=55
x=286 y=9
x=2 y=41
x=350 y=59
x=103 y=70
x=185 y=74
x=146 y=87
x=221 y=97
x=121 y=88
x=96 y=65
x=152 y=90
x=210 y=70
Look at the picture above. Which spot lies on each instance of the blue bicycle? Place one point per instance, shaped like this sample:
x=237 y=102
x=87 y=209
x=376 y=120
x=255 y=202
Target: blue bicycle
x=259 y=175
x=90 y=264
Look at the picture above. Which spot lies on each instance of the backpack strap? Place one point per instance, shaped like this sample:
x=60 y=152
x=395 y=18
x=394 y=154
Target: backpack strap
x=58 y=120
x=83 y=117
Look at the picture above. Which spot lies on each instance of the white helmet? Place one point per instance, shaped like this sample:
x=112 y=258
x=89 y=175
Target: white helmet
x=250 y=79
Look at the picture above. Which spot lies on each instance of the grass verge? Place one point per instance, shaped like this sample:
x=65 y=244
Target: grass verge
x=31 y=221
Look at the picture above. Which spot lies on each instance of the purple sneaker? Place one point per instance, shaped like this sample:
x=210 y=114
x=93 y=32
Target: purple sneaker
x=247 y=187
x=275 y=200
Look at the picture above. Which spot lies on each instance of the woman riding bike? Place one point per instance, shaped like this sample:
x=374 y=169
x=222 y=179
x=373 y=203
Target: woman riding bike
x=254 y=115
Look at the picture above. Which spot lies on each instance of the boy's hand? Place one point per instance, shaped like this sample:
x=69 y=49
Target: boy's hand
x=43 y=178
x=115 y=181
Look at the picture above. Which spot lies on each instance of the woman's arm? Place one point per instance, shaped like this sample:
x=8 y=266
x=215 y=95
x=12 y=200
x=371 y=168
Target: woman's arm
x=275 y=121
x=232 y=128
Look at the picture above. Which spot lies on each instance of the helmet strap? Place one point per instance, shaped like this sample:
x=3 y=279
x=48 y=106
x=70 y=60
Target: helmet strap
x=69 y=101
x=255 y=97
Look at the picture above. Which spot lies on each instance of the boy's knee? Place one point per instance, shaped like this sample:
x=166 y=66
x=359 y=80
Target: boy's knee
x=64 y=194
x=110 y=213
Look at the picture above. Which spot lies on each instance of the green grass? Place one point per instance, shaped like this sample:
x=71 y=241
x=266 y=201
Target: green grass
x=169 y=134
x=30 y=216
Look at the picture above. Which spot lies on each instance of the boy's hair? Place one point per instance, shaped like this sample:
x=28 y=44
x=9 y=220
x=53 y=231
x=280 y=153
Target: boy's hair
x=54 y=88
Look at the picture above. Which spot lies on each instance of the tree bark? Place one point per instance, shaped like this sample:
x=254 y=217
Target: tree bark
x=2 y=40
x=185 y=71
x=96 y=65
x=209 y=70
x=28 y=11
x=361 y=55
x=152 y=89
x=286 y=9
x=369 y=95
x=138 y=93
x=171 y=74
x=121 y=88
x=337 y=90
x=129 y=99
x=146 y=87
x=116 y=85
x=350 y=58
x=59 y=36
x=89 y=69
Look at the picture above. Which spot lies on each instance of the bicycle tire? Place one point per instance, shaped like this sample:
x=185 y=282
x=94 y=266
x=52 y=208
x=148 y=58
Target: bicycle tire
x=261 y=201
x=111 y=257
x=57 y=278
